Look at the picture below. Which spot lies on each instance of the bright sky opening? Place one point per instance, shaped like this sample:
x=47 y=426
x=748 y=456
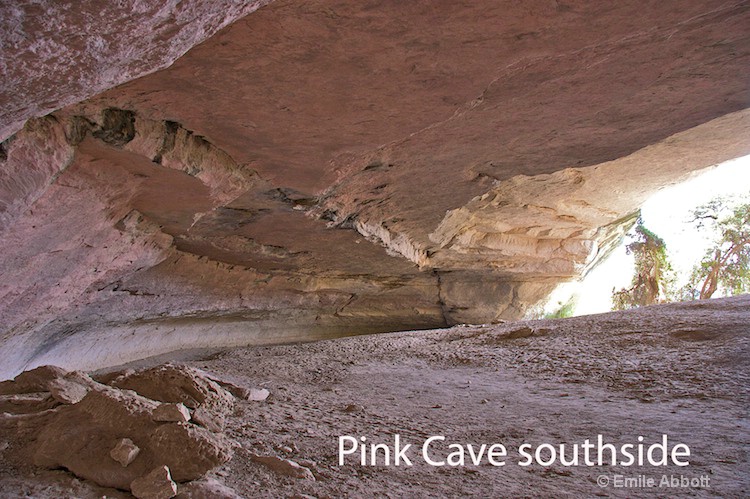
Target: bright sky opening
x=668 y=214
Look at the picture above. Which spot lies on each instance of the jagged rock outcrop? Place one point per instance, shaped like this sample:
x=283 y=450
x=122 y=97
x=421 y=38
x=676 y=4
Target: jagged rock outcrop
x=322 y=169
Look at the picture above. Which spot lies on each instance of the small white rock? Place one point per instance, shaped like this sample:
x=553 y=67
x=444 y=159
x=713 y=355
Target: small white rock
x=206 y=488
x=307 y=463
x=284 y=467
x=257 y=394
x=124 y=452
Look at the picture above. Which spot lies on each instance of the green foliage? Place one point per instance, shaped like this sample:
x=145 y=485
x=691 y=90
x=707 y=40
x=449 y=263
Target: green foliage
x=565 y=310
x=653 y=274
x=726 y=265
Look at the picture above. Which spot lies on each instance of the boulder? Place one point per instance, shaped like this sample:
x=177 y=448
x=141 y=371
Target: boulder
x=180 y=384
x=189 y=450
x=82 y=437
x=67 y=391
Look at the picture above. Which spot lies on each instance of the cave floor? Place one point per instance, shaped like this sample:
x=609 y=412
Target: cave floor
x=679 y=370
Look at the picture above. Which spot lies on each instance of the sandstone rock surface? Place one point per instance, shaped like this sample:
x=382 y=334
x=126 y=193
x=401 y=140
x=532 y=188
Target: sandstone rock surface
x=284 y=467
x=320 y=169
x=116 y=437
x=176 y=413
x=175 y=384
x=67 y=391
x=62 y=52
x=35 y=380
x=157 y=484
x=124 y=452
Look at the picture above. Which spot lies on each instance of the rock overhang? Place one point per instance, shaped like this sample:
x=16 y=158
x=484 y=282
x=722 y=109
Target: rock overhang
x=336 y=167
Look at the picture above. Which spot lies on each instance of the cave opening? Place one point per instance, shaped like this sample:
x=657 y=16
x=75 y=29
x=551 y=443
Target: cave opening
x=669 y=214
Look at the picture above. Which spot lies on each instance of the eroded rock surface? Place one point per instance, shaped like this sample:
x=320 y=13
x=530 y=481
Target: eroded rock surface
x=58 y=53
x=320 y=169
x=156 y=485
x=174 y=384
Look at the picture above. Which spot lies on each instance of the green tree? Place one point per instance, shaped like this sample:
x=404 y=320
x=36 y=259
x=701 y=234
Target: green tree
x=726 y=264
x=653 y=273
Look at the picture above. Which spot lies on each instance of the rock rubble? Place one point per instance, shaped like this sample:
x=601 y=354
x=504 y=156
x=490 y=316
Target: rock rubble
x=143 y=431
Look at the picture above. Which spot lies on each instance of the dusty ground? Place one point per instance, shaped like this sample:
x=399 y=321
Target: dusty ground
x=680 y=370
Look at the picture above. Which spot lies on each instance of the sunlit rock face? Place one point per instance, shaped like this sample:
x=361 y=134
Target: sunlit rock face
x=326 y=168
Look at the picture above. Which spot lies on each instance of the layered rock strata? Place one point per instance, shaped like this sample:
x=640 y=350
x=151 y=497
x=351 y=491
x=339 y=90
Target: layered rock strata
x=325 y=168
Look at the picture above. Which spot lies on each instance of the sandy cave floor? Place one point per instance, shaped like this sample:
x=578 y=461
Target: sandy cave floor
x=680 y=370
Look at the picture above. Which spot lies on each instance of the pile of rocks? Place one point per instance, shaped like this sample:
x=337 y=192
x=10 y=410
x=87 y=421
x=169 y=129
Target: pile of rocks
x=141 y=431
